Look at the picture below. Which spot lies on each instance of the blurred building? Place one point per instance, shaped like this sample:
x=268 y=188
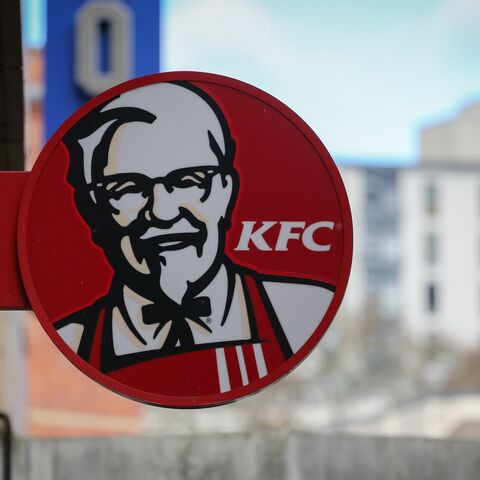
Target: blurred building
x=373 y=197
x=417 y=237
x=440 y=233
x=454 y=141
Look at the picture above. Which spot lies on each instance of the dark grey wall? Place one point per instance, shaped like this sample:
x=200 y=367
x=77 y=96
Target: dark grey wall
x=262 y=455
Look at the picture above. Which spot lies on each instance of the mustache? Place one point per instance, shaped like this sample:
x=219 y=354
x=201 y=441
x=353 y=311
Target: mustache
x=184 y=222
x=156 y=236
x=182 y=226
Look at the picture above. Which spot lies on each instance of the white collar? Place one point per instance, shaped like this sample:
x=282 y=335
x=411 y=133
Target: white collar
x=235 y=327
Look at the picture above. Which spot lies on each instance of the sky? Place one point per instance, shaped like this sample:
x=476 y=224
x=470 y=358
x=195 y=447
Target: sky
x=365 y=75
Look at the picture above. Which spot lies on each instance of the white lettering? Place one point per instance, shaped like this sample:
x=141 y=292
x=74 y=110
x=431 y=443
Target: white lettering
x=307 y=237
x=255 y=237
x=286 y=234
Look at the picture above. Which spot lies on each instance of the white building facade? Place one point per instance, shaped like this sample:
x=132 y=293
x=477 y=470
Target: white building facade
x=440 y=254
x=440 y=234
x=417 y=237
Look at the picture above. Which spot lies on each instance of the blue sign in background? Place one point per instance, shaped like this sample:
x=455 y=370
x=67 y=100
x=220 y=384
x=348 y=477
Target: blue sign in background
x=63 y=97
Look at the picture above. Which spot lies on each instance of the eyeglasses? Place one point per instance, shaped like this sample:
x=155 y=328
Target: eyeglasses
x=118 y=185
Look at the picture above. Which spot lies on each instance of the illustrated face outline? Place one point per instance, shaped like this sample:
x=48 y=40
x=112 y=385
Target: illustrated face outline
x=163 y=190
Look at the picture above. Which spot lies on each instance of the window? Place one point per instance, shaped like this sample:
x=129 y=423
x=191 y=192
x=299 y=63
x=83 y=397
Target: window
x=431 y=248
x=432 y=298
x=431 y=199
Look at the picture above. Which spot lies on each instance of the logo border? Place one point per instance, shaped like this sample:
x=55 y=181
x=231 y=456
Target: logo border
x=169 y=400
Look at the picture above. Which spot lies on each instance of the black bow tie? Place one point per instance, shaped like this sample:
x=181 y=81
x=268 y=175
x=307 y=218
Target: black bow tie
x=180 y=332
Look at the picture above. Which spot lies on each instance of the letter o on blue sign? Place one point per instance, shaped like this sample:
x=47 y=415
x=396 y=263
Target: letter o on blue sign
x=89 y=77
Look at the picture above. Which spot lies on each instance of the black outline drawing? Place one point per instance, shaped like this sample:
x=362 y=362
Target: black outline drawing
x=97 y=212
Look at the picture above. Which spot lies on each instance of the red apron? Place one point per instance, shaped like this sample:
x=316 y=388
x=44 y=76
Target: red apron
x=212 y=370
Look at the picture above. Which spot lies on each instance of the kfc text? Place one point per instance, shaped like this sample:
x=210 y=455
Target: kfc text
x=287 y=231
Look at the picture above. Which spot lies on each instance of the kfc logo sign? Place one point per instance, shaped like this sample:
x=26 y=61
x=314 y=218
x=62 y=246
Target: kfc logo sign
x=140 y=255
x=288 y=231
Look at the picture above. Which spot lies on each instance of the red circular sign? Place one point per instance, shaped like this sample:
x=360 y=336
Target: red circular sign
x=185 y=239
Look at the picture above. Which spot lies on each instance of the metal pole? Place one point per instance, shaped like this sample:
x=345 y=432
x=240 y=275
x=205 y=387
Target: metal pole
x=11 y=87
x=7 y=446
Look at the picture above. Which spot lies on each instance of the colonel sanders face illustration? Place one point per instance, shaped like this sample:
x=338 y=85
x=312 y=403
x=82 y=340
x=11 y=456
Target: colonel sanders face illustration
x=157 y=186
